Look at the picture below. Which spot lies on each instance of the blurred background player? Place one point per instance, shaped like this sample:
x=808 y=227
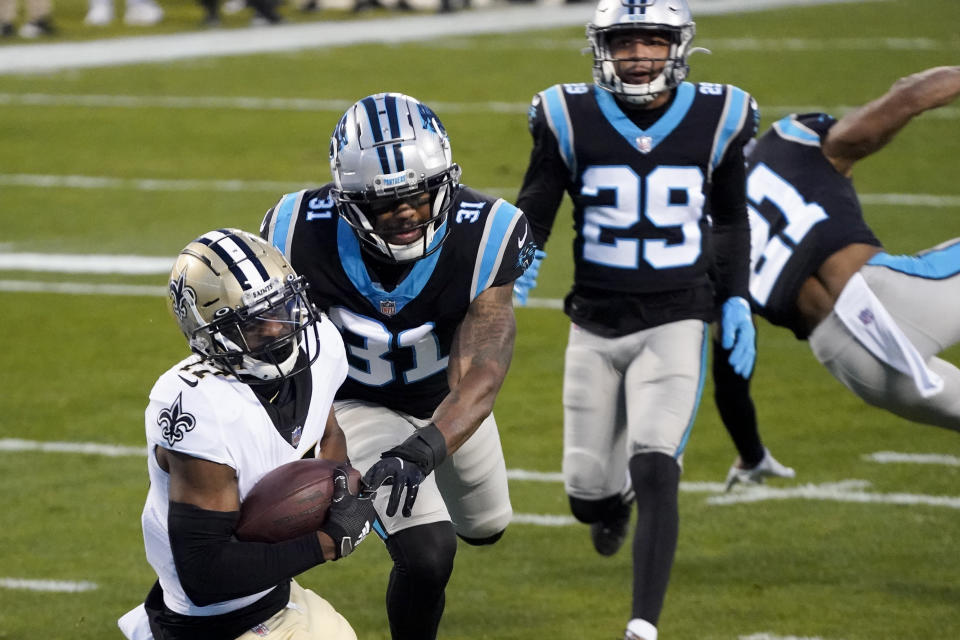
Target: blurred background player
x=417 y=272
x=645 y=157
x=141 y=13
x=264 y=11
x=38 y=19
x=264 y=364
x=875 y=321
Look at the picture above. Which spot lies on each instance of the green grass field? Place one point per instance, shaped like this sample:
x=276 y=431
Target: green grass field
x=839 y=562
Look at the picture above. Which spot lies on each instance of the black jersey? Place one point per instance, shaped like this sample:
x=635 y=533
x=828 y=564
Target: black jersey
x=802 y=211
x=398 y=341
x=641 y=198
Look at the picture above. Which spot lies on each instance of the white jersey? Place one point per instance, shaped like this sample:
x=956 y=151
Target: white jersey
x=197 y=410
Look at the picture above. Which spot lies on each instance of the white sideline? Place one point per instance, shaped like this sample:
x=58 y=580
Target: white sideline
x=34 y=58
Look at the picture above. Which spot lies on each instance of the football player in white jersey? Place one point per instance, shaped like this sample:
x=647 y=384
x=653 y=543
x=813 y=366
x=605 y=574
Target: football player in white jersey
x=654 y=167
x=256 y=394
x=417 y=271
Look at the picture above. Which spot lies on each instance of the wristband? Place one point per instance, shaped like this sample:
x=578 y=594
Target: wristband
x=426 y=448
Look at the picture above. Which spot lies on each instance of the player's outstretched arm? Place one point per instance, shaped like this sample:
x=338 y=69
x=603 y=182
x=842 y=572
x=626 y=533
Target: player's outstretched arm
x=869 y=128
x=479 y=360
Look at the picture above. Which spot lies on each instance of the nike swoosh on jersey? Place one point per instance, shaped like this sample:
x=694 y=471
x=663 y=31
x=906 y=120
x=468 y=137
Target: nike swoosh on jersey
x=521 y=240
x=192 y=383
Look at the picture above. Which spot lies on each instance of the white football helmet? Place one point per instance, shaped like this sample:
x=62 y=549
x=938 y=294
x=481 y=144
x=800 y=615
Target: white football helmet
x=616 y=16
x=241 y=306
x=389 y=147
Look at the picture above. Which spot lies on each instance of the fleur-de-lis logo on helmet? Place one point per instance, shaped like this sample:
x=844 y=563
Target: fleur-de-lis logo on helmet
x=181 y=296
x=174 y=422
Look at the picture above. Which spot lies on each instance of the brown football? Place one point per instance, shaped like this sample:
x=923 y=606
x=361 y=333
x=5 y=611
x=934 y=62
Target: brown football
x=291 y=500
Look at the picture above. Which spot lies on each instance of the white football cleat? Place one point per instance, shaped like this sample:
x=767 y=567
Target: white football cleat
x=768 y=467
x=100 y=13
x=143 y=13
x=231 y=7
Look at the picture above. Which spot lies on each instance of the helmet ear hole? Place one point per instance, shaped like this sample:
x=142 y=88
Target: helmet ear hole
x=389 y=148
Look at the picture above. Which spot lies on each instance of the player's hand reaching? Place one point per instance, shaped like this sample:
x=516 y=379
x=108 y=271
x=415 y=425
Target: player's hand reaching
x=405 y=466
x=526 y=282
x=400 y=474
x=349 y=519
x=738 y=334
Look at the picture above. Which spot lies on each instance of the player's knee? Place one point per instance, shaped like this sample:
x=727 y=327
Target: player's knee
x=486 y=528
x=584 y=473
x=653 y=473
x=484 y=541
x=590 y=511
x=424 y=553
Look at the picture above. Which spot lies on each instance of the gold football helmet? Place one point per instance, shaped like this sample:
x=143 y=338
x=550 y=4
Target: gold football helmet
x=241 y=306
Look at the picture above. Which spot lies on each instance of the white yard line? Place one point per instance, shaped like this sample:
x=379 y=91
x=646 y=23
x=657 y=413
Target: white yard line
x=61 y=586
x=888 y=457
x=88 y=448
x=844 y=491
x=85 y=263
x=336 y=105
x=83 y=288
x=55 y=181
x=49 y=181
x=41 y=58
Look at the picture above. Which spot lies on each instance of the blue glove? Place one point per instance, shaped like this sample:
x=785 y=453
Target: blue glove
x=738 y=334
x=527 y=281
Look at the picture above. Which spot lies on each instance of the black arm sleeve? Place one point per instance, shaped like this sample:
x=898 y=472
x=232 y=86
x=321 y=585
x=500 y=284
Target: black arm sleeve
x=731 y=227
x=545 y=181
x=213 y=566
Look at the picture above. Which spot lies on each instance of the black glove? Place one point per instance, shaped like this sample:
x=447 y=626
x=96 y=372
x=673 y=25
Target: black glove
x=349 y=519
x=405 y=466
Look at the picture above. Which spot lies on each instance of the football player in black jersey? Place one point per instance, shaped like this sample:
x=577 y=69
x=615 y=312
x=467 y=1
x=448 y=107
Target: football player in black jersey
x=654 y=166
x=874 y=320
x=417 y=272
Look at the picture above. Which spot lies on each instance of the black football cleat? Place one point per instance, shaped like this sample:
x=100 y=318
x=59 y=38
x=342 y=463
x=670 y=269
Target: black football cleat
x=609 y=534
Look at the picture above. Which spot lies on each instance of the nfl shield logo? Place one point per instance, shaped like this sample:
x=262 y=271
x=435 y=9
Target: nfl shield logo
x=644 y=144
x=261 y=630
x=388 y=307
x=295 y=436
